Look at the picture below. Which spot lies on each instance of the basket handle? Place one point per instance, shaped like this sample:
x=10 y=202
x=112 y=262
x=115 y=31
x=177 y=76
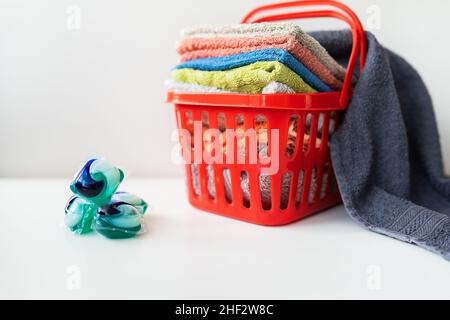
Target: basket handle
x=347 y=15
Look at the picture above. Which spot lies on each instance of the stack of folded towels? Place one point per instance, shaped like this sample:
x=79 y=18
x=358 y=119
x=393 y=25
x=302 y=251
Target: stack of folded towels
x=254 y=58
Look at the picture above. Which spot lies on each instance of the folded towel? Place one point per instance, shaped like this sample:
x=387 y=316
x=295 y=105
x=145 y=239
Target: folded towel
x=271 y=88
x=176 y=86
x=251 y=78
x=386 y=153
x=242 y=59
x=277 y=87
x=196 y=48
x=269 y=30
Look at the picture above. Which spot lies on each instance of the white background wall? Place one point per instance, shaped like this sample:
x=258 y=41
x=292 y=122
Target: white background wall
x=66 y=93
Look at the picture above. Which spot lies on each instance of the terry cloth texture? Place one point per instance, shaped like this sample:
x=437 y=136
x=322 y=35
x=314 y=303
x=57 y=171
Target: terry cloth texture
x=251 y=78
x=273 y=87
x=176 y=86
x=196 y=48
x=386 y=154
x=268 y=30
x=242 y=59
x=277 y=87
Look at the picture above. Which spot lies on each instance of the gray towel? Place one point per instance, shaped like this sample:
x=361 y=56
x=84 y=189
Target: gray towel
x=386 y=153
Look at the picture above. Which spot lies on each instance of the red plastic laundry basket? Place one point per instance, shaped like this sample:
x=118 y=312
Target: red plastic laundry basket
x=304 y=182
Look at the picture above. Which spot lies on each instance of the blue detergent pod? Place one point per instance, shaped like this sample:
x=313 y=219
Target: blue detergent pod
x=131 y=199
x=79 y=215
x=97 y=181
x=118 y=220
x=97 y=205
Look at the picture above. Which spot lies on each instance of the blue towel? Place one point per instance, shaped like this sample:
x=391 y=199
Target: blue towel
x=243 y=59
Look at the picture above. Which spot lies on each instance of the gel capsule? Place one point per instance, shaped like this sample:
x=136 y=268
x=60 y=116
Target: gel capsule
x=97 y=181
x=118 y=220
x=79 y=215
x=129 y=198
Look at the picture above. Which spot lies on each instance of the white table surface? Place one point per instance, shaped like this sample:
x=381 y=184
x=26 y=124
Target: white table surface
x=189 y=254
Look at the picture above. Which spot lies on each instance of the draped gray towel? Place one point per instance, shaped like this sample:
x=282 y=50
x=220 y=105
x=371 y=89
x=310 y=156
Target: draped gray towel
x=387 y=154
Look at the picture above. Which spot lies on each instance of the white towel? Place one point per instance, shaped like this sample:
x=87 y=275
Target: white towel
x=271 y=88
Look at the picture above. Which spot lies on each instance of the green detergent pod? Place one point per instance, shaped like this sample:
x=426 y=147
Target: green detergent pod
x=118 y=220
x=97 y=205
x=131 y=199
x=79 y=215
x=97 y=181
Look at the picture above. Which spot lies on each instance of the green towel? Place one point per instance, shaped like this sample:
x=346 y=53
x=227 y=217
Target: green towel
x=251 y=78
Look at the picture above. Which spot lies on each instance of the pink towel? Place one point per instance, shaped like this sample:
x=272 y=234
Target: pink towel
x=193 y=48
